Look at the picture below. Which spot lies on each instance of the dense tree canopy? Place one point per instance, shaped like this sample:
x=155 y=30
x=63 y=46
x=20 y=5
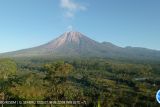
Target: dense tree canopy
x=7 y=68
x=98 y=82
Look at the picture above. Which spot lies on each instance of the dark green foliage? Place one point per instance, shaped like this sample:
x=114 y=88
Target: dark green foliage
x=29 y=86
x=7 y=68
x=111 y=83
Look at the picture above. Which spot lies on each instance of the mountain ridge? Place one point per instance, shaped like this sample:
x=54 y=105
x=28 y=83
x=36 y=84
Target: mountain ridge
x=76 y=44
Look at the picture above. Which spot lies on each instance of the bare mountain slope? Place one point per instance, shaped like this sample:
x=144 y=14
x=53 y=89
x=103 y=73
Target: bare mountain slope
x=75 y=44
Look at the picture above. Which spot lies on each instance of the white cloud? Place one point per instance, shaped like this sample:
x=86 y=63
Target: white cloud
x=70 y=28
x=69 y=14
x=71 y=7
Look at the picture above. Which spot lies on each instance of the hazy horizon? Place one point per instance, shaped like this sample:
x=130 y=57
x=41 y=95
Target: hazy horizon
x=29 y=23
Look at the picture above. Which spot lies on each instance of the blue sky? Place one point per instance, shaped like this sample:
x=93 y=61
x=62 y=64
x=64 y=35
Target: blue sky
x=29 y=23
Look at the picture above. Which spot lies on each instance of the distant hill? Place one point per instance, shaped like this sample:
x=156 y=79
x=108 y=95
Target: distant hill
x=75 y=44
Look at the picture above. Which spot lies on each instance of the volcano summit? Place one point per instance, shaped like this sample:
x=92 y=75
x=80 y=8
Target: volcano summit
x=75 y=44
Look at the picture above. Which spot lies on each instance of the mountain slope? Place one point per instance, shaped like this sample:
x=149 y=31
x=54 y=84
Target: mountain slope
x=75 y=44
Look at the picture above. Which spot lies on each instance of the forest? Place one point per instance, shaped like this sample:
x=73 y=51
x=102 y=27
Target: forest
x=95 y=82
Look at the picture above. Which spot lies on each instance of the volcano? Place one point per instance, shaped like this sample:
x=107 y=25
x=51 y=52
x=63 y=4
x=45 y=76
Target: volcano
x=76 y=44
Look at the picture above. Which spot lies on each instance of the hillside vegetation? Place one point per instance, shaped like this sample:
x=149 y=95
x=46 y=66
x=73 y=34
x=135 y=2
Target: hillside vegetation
x=109 y=83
